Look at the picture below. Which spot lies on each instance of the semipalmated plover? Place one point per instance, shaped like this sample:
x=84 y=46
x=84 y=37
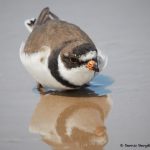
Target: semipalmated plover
x=59 y=54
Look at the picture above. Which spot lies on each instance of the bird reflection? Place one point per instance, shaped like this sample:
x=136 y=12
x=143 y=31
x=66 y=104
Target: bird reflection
x=72 y=120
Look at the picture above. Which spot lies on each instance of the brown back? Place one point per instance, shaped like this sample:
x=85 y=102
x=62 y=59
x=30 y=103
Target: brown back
x=53 y=33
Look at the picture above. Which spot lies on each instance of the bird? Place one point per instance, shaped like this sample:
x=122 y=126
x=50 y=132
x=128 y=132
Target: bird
x=59 y=54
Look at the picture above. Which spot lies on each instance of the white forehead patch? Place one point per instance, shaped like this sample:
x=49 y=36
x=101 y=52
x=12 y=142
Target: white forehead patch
x=88 y=56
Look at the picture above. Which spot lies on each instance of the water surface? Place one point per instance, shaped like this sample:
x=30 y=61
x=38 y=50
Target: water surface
x=74 y=120
x=120 y=28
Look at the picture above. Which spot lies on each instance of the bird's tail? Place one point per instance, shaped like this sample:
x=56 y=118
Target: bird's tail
x=29 y=24
x=44 y=16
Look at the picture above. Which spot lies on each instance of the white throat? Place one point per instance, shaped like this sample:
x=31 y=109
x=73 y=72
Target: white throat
x=77 y=76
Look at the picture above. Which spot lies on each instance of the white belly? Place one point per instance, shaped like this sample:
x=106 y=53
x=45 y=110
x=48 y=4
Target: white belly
x=37 y=65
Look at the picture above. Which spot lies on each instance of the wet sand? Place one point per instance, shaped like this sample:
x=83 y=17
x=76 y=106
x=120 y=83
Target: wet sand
x=120 y=28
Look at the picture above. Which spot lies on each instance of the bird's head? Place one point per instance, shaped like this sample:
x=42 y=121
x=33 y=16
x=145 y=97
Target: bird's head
x=79 y=64
x=84 y=56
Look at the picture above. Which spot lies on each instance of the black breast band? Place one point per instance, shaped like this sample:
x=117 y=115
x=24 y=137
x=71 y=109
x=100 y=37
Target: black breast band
x=53 y=66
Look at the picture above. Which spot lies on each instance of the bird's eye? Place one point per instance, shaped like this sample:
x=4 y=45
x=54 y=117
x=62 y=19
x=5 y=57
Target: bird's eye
x=73 y=60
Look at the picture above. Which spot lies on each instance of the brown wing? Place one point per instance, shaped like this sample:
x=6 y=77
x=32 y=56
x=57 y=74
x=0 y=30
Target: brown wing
x=54 y=33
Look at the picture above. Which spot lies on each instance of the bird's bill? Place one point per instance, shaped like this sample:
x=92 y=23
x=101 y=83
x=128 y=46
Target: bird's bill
x=92 y=65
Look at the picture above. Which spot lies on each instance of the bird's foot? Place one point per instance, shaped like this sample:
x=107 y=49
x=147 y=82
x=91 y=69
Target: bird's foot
x=41 y=89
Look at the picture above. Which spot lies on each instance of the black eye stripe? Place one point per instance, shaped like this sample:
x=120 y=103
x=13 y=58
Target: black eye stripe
x=73 y=59
x=77 y=61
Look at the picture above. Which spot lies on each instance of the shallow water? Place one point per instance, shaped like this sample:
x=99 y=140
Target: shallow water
x=98 y=86
x=74 y=119
x=121 y=29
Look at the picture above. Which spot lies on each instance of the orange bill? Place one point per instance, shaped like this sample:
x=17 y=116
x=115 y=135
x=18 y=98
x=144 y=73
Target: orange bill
x=92 y=65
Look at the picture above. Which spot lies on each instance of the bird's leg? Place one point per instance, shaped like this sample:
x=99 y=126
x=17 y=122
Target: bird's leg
x=40 y=88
